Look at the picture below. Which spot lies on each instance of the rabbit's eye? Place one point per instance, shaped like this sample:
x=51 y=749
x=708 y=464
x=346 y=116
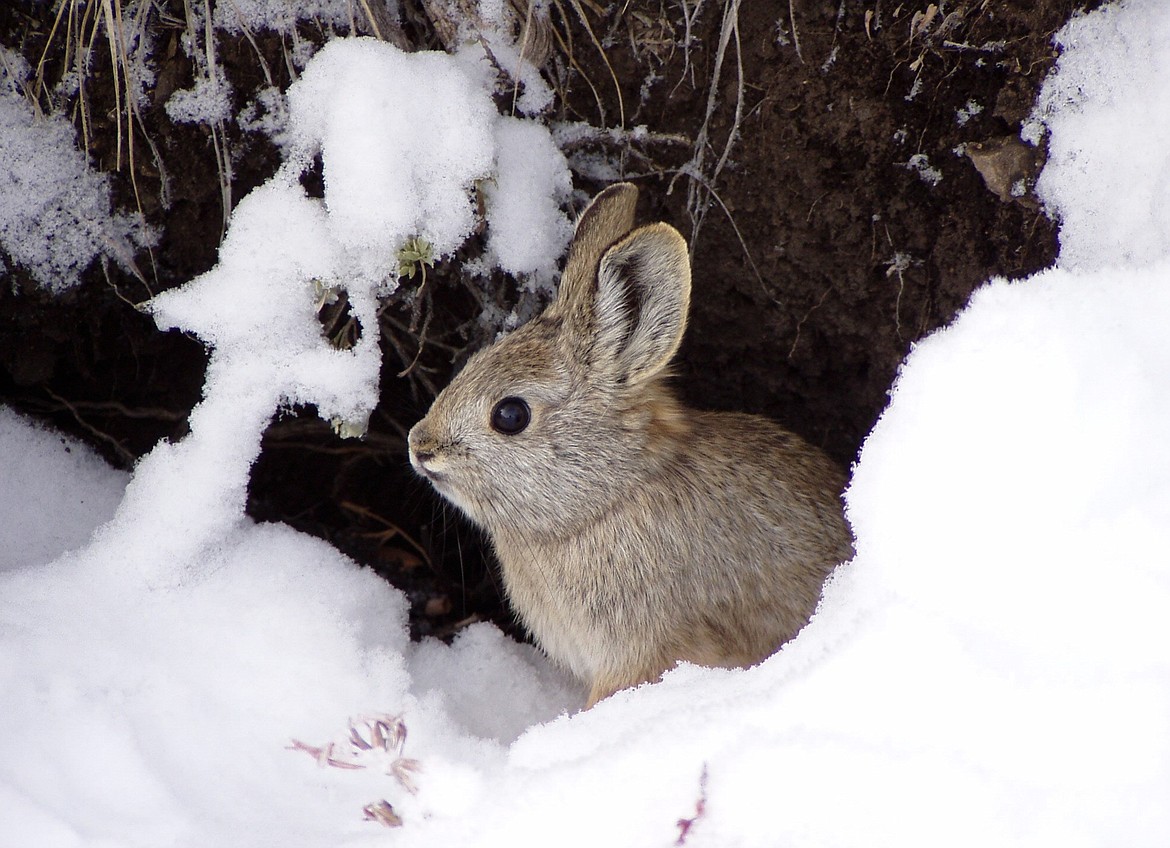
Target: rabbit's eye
x=511 y=415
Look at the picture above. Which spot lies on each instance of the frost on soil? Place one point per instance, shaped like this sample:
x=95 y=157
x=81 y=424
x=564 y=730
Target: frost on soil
x=55 y=214
x=991 y=669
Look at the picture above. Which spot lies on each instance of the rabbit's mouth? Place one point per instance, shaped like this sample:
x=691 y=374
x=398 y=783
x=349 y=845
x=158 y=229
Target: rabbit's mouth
x=437 y=478
x=420 y=466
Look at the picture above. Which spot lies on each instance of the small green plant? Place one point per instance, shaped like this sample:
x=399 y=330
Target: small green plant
x=416 y=255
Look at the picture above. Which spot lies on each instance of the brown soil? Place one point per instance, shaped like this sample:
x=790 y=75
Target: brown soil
x=831 y=246
x=826 y=254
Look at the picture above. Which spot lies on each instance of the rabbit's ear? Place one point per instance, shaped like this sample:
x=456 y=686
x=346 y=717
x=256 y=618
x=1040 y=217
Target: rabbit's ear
x=608 y=218
x=640 y=310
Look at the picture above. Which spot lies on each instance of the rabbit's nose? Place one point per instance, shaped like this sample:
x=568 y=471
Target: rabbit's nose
x=419 y=446
x=420 y=458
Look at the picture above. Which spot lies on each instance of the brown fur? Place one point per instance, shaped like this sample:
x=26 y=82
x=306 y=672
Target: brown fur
x=633 y=532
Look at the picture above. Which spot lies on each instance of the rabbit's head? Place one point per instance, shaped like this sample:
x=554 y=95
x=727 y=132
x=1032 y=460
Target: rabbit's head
x=543 y=430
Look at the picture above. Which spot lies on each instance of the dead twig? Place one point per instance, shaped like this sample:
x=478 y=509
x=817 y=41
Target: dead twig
x=392 y=530
x=700 y=191
x=124 y=455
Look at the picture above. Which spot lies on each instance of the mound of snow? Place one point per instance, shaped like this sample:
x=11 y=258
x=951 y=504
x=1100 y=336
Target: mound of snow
x=56 y=492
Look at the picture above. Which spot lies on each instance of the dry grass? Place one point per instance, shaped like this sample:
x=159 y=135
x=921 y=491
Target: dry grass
x=201 y=37
x=84 y=26
x=563 y=36
x=80 y=31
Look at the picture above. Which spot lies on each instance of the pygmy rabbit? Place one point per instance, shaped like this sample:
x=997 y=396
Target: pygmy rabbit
x=633 y=532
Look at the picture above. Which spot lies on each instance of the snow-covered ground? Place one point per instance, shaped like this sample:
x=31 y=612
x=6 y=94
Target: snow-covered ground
x=993 y=668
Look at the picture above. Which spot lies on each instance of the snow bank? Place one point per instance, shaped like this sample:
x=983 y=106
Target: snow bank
x=56 y=492
x=993 y=668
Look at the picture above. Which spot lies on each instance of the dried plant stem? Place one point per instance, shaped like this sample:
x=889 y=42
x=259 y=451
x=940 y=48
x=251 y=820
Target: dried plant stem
x=247 y=30
x=392 y=530
x=690 y=16
x=566 y=45
x=124 y=24
x=576 y=4
x=701 y=188
x=124 y=455
x=795 y=34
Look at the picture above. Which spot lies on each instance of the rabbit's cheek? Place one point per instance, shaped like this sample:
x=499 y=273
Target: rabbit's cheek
x=443 y=488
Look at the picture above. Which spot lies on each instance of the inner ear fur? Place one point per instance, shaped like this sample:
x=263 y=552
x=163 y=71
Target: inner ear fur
x=642 y=297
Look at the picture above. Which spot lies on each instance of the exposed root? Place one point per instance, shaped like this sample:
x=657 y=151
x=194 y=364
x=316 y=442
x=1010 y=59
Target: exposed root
x=795 y=33
x=126 y=458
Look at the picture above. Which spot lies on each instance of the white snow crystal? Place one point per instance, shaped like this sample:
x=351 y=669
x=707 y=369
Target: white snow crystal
x=267 y=113
x=207 y=102
x=967 y=112
x=920 y=165
x=281 y=16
